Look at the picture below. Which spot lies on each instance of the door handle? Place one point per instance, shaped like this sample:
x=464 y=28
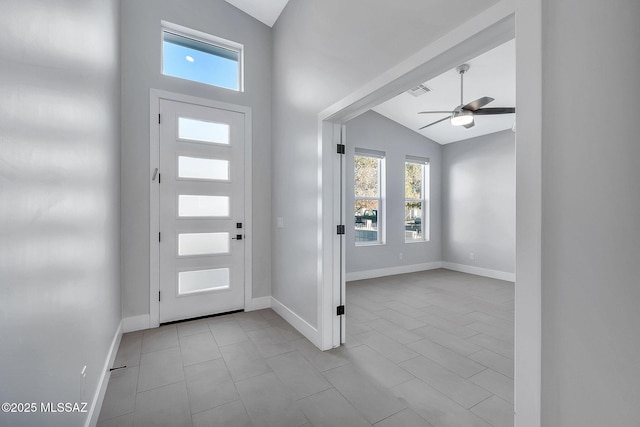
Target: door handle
x=238 y=237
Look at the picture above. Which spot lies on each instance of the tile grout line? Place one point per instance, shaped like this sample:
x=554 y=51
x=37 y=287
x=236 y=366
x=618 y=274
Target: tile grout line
x=232 y=381
x=184 y=376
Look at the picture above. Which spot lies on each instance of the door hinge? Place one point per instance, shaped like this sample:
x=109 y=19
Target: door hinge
x=340 y=310
x=341 y=229
x=341 y=148
x=159 y=236
x=158 y=118
x=158 y=295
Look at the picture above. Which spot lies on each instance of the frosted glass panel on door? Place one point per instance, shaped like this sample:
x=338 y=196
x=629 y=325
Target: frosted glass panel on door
x=198 y=168
x=203 y=206
x=203 y=243
x=190 y=282
x=199 y=130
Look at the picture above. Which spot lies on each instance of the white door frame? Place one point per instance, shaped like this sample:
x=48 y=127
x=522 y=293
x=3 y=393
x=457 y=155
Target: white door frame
x=489 y=29
x=154 y=190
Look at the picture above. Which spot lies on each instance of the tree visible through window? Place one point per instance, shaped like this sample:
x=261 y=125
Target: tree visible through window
x=368 y=197
x=416 y=193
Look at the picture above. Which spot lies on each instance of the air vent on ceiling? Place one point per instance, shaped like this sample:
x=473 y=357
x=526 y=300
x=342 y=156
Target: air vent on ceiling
x=419 y=90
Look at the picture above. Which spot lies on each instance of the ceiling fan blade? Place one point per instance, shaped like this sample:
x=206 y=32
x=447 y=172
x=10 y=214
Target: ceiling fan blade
x=496 y=110
x=470 y=125
x=478 y=103
x=439 y=112
x=436 y=122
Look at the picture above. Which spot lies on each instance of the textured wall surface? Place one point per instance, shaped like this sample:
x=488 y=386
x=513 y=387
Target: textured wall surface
x=479 y=202
x=59 y=202
x=373 y=131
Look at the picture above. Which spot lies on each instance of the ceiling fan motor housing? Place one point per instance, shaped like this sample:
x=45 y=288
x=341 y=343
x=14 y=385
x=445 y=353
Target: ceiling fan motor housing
x=461 y=117
x=463 y=68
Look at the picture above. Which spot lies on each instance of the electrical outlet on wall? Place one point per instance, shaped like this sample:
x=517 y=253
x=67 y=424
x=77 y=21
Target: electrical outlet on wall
x=400 y=255
x=472 y=255
x=280 y=222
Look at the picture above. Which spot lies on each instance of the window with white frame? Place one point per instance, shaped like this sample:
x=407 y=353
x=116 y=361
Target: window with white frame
x=416 y=199
x=193 y=55
x=369 y=196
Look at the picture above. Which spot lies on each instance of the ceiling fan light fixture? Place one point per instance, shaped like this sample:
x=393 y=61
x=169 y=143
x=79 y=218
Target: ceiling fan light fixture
x=461 y=118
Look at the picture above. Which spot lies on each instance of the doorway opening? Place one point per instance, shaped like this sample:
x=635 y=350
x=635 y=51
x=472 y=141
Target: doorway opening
x=488 y=30
x=493 y=36
x=422 y=210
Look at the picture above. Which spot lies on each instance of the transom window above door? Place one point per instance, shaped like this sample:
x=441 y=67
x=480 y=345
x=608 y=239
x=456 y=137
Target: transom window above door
x=193 y=55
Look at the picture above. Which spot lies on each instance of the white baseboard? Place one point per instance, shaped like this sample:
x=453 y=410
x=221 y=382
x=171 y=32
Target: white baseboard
x=494 y=274
x=135 y=323
x=96 y=405
x=258 y=304
x=390 y=271
x=297 y=322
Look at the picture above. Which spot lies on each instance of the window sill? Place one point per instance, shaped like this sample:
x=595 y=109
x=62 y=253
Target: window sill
x=364 y=245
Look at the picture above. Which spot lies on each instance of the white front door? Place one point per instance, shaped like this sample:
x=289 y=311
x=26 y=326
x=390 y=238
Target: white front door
x=201 y=210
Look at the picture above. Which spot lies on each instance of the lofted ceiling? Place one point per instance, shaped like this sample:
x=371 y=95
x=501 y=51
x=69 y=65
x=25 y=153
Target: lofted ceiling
x=266 y=11
x=491 y=74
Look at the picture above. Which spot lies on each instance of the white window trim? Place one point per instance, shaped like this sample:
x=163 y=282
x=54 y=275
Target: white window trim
x=204 y=38
x=426 y=193
x=381 y=156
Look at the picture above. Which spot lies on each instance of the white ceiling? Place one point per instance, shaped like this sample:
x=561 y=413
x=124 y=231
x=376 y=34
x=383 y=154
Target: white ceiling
x=266 y=11
x=491 y=74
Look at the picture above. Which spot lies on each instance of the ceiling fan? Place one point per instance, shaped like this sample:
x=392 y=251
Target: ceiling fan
x=463 y=114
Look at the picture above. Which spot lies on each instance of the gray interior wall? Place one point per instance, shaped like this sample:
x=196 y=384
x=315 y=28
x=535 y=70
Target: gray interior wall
x=479 y=202
x=323 y=51
x=590 y=214
x=374 y=131
x=59 y=201
x=141 y=58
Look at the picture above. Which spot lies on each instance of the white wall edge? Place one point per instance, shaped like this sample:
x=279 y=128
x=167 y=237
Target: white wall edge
x=297 y=322
x=258 y=303
x=135 y=323
x=478 y=271
x=96 y=405
x=528 y=290
x=390 y=271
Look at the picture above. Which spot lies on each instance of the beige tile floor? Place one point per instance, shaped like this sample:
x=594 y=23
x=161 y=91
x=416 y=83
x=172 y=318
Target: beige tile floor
x=432 y=348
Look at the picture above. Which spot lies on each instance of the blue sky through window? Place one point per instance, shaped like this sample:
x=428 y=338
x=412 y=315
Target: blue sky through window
x=206 y=67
